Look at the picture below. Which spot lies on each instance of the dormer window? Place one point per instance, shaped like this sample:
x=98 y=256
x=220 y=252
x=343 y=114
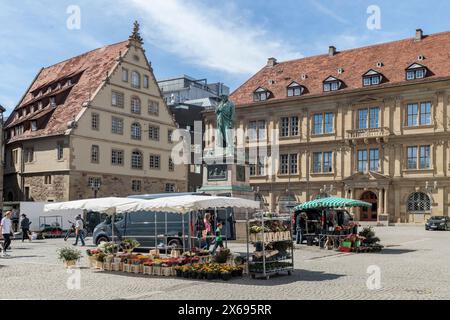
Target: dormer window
x=52 y=102
x=39 y=105
x=372 y=78
x=69 y=82
x=331 y=84
x=294 y=90
x=261 y=94
x=416 y=71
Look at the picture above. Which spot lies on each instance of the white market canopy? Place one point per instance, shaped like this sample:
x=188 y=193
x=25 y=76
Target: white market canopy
x=188 y=203
x=104 y=205
x=176 y=204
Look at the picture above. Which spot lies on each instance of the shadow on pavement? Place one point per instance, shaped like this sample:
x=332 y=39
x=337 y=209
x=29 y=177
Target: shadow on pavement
x=298 y=275
x=395 y=251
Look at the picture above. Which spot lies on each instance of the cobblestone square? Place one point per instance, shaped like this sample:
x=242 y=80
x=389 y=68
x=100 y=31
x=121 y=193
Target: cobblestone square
x=415 y=264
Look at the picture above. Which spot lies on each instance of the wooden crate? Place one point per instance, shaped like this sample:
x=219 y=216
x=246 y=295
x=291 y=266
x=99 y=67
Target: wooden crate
x=157 y=271
x=127 y=267
x=147 y=270
x=116 y=266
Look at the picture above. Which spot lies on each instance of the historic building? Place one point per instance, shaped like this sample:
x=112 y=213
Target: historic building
x=94 y=125
x=371 y=123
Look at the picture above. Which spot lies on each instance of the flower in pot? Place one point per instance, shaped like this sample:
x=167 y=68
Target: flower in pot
x=128 y=245
x=69 y=256
x=226 y=275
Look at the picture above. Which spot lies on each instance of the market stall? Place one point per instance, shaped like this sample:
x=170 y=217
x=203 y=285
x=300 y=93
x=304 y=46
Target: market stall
x=331 y=229
x=193 y=263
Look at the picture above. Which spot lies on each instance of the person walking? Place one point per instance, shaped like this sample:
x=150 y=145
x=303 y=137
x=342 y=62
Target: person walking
x=25 y=226
x=219 y=240
x=79 y=230
x=15 y=217
x=207 y=232
x=6 y=231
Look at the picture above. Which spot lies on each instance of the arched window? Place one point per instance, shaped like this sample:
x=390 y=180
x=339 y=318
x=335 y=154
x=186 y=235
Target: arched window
x=136 y=131
x=419 y=202
x=135 y=105
x=136 y=159
x=135 y=79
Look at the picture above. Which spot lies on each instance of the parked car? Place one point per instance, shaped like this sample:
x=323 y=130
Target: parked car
x=146 y=226
x=438 y=223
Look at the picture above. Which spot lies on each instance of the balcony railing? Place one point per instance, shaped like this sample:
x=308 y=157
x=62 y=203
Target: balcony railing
x=368 y=133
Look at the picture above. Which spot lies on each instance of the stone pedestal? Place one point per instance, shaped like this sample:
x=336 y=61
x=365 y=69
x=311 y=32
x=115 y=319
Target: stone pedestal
x=224 y=175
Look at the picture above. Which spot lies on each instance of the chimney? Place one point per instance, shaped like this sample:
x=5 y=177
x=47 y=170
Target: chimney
x=271 y=62
x=331 y=51
x=419 y=35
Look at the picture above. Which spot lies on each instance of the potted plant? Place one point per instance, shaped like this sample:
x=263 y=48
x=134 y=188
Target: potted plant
x=69 y=256
x=222 y=256
x=128 y=245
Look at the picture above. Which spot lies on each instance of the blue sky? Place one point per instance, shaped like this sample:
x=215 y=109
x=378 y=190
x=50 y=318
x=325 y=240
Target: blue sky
x=223 y=41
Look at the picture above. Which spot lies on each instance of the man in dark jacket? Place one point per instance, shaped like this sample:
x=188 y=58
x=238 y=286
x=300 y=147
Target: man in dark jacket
x=25 y=226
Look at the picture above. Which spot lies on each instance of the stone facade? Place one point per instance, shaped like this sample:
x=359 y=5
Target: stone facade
x=398 y=161
x=93 y=125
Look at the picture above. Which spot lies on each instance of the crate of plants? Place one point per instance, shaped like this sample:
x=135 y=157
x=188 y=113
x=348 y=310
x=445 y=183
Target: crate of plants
x=209 y=271
x=270 y=267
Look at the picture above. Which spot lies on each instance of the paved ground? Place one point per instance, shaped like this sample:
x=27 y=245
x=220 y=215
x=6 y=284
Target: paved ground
x=414 y=265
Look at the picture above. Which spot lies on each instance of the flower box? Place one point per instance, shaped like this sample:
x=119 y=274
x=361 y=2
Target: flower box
x=107 y=266
x=91 y=260
x=98 y=264
x=116 y=266
x=147 y=270
x=117 y=260
x=166 y=271
x=70 y=263
x=204 y=259
x=127 y=267
x=157 y=271
x=136 y=268
x=345 y=249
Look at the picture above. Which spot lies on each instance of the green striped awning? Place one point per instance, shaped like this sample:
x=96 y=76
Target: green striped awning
x=332 y=202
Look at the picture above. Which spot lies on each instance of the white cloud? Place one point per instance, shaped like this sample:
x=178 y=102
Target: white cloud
x=219 y=40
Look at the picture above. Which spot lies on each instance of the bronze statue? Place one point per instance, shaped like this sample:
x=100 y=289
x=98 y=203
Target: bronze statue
x=225 y=114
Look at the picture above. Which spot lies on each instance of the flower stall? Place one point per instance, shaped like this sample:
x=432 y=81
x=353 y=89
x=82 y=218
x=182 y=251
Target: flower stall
x=344 y=237
x=192 y=263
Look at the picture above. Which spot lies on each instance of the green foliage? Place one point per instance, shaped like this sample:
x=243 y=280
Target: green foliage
x=222 y=256
x=68 y=254
x=369 y=235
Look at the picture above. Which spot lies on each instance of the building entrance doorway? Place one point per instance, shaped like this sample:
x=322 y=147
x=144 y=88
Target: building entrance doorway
x=369 y=214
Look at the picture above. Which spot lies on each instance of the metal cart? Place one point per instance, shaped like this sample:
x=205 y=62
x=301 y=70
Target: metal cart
x=267 y=266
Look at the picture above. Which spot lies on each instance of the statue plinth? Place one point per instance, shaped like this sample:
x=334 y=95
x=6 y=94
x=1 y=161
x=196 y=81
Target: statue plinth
x=226 y=173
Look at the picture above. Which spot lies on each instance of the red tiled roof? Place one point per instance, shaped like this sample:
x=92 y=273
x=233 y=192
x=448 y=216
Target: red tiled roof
x=92 y=66
x=395 y=57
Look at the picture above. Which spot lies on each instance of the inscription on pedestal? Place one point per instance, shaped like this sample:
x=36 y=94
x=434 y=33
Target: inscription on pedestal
x=217 y=172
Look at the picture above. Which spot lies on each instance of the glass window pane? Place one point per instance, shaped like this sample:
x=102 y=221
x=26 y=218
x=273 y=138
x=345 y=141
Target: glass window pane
x=374 y=159
x=410 y=75
x=327 y=162
x=424 y=157
x=328 y=122
x=318 y=124
x=425 y=113
x=412 y=157
x=374 y=117
x=362 y=119
x=412 y=112
x=362 y=160
x=334 y=86
x=317 y=162
x=326 y=87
